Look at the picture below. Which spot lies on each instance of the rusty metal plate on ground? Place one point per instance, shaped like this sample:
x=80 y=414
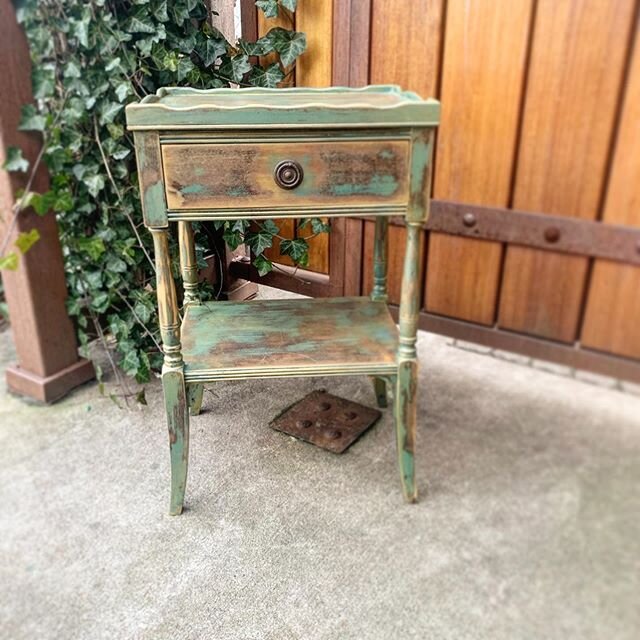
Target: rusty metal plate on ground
x=326 y=420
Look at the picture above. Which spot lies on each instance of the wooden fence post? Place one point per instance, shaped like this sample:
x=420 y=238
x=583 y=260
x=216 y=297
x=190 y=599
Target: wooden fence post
x=47 y=365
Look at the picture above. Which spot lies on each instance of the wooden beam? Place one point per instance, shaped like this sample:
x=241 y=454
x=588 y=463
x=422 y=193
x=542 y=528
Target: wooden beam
x=47 y=355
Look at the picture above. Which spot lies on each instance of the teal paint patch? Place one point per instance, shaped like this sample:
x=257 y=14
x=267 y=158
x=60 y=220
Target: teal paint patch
x=155 y=210
x=377 y=186
x=193 y=189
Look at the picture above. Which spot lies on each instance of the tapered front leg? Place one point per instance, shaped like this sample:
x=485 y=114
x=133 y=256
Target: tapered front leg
x=405 y=414
x=176 y=405
x=195 y=392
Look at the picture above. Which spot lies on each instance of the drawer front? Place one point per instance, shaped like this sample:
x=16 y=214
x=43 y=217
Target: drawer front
x=330 y=174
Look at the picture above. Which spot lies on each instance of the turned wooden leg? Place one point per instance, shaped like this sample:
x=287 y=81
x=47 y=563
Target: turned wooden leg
x=380 y=388
x=175 y=399
x=405 y=414
x=194 y=395
x=188 y=265
x=173 y=384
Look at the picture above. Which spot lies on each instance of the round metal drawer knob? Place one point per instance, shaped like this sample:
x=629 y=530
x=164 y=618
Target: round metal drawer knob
x=288 y=174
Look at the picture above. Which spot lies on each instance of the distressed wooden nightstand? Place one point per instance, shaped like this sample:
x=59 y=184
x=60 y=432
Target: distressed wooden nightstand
x=277 y=153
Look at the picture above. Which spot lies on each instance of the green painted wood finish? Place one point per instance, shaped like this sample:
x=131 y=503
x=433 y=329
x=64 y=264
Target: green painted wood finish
x=188 y=265
x=380 y=258
x=150 y=178
x=195 y=393
x=280 y=338
x=371 y=107
x=380 y=389
x=176 y=406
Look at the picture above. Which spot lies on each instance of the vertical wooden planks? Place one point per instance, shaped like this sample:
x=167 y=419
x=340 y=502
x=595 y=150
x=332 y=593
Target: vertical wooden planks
x=612 y=318
x=314 y=69
x=405 y=50
x=484 y=65
x=405 y=44
x=577 y=64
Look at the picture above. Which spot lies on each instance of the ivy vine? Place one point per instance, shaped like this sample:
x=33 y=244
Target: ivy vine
x=91 y=58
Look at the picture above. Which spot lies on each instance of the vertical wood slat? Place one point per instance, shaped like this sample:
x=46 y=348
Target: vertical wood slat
x=405 y=49
x=405 y=44
x=577 y=64
x=351 y=40
x=314 y=69
x=611 y=321
x=484 y=64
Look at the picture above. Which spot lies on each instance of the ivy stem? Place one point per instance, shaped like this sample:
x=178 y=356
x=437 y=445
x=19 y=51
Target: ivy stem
x=117 y=190
x=142 y=324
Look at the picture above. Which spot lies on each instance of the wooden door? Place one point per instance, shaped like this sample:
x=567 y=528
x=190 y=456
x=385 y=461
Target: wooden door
x=532 y=242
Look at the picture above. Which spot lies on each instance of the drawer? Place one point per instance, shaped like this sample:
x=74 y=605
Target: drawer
x=272 y=175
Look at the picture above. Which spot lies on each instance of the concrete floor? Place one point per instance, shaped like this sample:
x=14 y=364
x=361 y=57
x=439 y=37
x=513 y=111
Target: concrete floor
x=528 y=526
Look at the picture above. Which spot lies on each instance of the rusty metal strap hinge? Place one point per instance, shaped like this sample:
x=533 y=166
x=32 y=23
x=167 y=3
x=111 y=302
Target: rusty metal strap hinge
x=537 y=230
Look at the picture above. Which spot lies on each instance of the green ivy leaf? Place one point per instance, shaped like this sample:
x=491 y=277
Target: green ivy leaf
x=93 y=247
x=319 y=226
x=269 y=7
x=258 y=241
x=9 y=261
x=15 y=160
x=289 y=4
x=260 y=47
x=26 y=239
x=289 y=44
x=30 y=120
x=184 y=67
x=269 y=77
x=95 y=183
x=109 y=111
x=211 y=49
x=236 y=66
x=232 y=238
x=263 y=265
x=140 y=23
x=269 y=226
x=296 y=249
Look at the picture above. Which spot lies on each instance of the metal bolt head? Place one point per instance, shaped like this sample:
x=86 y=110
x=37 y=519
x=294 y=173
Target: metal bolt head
x=325 y=406
x=351 y=415
x=552 y=234
x=469 y=219
x=303 y=424
x=333 y=434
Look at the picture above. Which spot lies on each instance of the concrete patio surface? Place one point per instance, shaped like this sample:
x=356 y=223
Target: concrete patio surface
x=528 y=524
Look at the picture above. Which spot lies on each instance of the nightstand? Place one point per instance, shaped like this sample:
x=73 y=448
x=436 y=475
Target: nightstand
x=284 y=153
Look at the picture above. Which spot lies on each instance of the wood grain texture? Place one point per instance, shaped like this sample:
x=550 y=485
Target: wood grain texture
x=275 y=338
x=484 y=64
x=405 y=43
x=314 y=69
x=345 y=173
x=351 y=38
x=314 y=66
x=612 y=318
x=150 y=178
x=397 y=238
x=577 y=65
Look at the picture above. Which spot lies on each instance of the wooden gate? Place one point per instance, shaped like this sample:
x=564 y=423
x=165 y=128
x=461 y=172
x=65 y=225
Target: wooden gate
x=531 y=245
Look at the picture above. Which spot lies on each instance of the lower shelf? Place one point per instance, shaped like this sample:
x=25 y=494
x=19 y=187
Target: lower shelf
x=280 y=338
